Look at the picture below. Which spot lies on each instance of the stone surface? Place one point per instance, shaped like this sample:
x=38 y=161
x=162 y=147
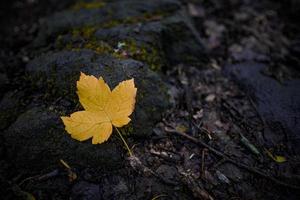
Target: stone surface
x=86 y=191
x=158 y=33
x=127 y=11
x=37 y=141
x=10 y=107
x=278 y=103
x=89 y=39
x=62 y=70
x=3 y=83
x=171 y=36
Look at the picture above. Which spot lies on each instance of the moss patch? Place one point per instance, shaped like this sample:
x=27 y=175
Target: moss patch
x=141 y=52
x=83 y=38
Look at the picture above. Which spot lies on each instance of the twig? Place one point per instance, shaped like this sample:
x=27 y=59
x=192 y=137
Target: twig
x=241 y=165
x=159 y=196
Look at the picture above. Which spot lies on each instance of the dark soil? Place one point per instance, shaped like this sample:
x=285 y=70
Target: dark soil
x=233 y=105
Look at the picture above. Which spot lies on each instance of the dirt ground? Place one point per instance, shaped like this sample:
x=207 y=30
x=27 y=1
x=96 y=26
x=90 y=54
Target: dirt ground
x=225 y=135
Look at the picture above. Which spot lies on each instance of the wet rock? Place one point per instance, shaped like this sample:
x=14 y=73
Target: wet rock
x=278 y=103
x=62 y=70
x=37 y=141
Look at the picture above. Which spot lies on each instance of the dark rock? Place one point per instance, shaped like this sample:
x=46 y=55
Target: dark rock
x=157 y=32
x=182 y=43
x=172 y=37
x=168 y=172
x=245 y=190
x=3 y=83
x=231 y=171
x=10 y=107
x=85 y=191
x=110 y=13
x=149 y=187
x=62 y=70
x=57 y=187
x=278 y=103
x=142 y=41
x=37 y=141
x=114 y=187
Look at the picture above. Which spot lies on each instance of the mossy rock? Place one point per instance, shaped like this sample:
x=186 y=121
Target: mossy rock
x=37 y=141
x=56 y=75
x=110 y=14
x=161 y=43
x=158 y=32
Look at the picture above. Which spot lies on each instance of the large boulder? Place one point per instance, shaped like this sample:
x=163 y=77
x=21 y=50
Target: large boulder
x=37 y=141
x=159 y=33
x=106 y=14
x=56 y=74
x=117 y=40
x=167 y=41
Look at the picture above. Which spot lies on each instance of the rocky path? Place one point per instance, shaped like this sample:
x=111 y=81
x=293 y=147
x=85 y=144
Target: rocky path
x=219 y=77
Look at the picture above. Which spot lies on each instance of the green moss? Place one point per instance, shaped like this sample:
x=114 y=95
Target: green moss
x=99 y=47
x=87 y=41
x=40 y=81
x=58 y=42
x=141 y=52
x=86 y=32
x=88 y=5
x=132 y=49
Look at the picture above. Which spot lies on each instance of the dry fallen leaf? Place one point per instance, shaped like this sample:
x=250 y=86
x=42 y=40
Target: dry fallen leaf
x=103 y=108
x=279 y=159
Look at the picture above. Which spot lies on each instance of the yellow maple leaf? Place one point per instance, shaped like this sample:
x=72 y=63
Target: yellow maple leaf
x=103 y=109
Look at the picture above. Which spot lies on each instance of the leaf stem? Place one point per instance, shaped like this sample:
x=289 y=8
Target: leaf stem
x=125 y=143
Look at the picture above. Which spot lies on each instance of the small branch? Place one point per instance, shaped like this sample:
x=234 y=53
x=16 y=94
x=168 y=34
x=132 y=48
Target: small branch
x=241 y=165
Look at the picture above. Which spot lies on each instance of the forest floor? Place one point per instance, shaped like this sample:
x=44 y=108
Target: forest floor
x=224 y=136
